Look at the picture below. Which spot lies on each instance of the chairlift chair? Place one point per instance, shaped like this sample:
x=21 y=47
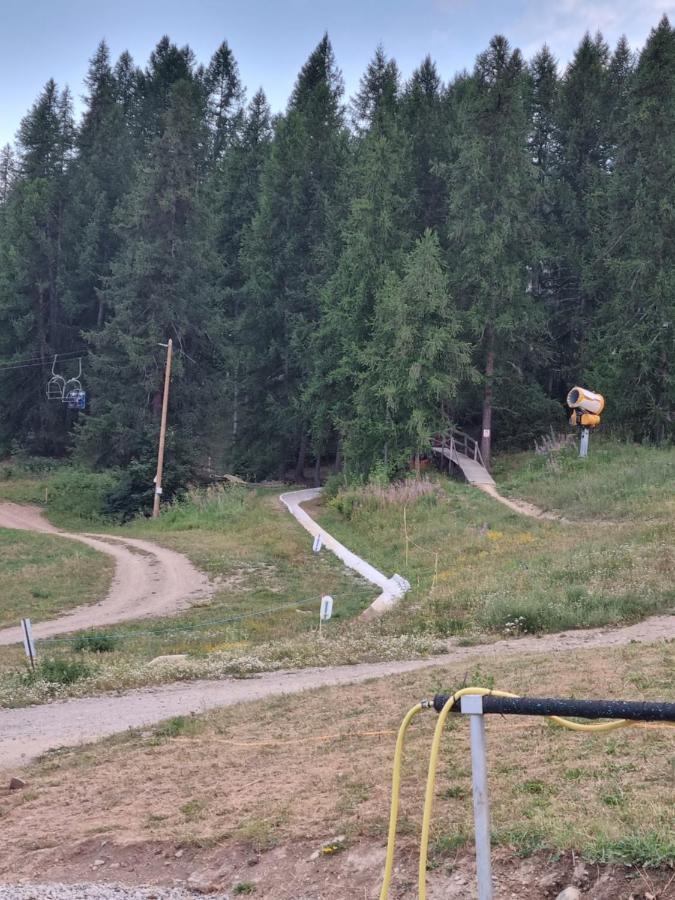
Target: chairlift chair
x=73 y=394
x=56 y=386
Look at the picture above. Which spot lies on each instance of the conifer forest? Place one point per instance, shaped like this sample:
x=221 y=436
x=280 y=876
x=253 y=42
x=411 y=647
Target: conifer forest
x=346 y=278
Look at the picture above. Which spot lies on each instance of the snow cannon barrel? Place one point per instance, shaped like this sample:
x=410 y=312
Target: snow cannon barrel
x=586 y=402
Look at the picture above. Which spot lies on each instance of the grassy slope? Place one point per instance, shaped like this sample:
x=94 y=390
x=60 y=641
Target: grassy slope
x=602 y=795
x=477 y=570
x=260 y=559
x=476 y=566
x=41 y=575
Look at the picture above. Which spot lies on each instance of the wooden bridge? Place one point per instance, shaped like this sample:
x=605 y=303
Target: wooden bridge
x=461 y=449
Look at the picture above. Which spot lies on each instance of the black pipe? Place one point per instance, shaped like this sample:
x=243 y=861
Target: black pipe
x=651 y=711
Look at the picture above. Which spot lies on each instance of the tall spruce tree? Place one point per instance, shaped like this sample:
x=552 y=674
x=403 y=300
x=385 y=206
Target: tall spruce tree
x=34 y=321
x=289 y=256
x=411 y=367
x=375 y=236
x=424 y=118
x=632 y=347
x=225 y=99
x=160 y=287
x=100 y=177
x=233 y=197
x=490 y=229
x=584 y=146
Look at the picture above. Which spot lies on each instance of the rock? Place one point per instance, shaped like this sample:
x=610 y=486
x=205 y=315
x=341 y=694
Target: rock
x=549 y=882
x=570 y=893
x=580 y=874
x=16 y=784
x=98 y=862
x=170 y=659
x=179 y=853
x=204 y=882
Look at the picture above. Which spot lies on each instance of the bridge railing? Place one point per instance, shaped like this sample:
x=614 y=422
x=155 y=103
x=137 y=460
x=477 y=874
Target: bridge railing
x=456 y=440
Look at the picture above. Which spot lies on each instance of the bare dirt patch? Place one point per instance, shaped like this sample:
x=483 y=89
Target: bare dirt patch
x=293 y=872
x=149 y=580
x=253 y=791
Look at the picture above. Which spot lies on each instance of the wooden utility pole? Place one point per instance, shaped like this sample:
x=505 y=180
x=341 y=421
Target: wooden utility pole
x=162 y=431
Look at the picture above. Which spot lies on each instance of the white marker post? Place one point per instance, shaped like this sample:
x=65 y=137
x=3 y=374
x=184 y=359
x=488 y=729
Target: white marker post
x=28 y=642
x=318 y=543
x=326 y=611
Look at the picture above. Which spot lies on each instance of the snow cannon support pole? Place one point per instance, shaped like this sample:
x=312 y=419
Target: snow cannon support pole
x=477 y=706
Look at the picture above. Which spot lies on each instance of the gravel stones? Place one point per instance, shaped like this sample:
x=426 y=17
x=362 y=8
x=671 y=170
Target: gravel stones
x=97 y=892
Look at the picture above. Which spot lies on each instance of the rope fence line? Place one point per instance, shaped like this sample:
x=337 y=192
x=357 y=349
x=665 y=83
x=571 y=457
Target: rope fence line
x=191 y=626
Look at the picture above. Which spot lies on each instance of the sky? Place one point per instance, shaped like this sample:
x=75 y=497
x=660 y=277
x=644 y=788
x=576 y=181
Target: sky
x=271 y=39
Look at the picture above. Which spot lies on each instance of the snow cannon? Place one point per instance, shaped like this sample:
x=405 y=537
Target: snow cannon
x=586 y=407
x=586 y=401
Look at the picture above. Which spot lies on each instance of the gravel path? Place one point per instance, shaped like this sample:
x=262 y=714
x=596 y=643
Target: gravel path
x=96 y=892
x=29 y=731
x=149 y=580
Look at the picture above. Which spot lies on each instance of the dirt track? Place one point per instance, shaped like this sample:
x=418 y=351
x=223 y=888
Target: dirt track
x=25 y=733
x=149 y=580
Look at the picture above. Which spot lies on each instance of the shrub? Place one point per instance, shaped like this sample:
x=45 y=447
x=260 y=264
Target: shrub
x=62 y=671
x=76 y=493
x=95 y=642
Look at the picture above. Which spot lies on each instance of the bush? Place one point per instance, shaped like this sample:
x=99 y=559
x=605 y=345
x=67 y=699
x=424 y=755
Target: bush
x=62 y=671
x=133 y=491
x=95 y=642
x=77 y=494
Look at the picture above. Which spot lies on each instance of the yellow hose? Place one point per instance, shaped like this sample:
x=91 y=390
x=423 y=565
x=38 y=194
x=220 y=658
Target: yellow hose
x=599 y=727
x=395 y=793
x=431 y=778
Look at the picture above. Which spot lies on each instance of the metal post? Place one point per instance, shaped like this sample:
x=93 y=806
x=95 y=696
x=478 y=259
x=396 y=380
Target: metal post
x=473 y=706
x=583 y=443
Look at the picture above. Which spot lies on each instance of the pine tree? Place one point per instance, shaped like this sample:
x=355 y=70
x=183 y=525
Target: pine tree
x=490 y=226
x=33 y=315
x=632 y=348
x=225 y=99
x=411 y=367
x=584 y=143
x=7 y=172
x=424 y=121
x=161 y=286
x=100 y=178
x=374 y=239
x=289 y=256
x=233 y=197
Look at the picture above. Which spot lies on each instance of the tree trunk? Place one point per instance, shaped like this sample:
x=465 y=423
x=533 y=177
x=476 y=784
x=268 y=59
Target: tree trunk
x=302 y=452
x=317 y=472
x=337 y=465
x=486 y=436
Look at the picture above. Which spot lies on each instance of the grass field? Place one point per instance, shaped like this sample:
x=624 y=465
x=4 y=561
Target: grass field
x=608 y=797
x=478 y=567
x=478 y=571
x=41 y=575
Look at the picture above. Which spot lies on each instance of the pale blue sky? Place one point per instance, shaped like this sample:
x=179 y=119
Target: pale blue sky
x=272 y=38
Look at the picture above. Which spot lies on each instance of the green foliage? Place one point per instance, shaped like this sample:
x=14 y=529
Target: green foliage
x=332 y=283
x=61 y=670
x=95 y=642
x=76 y=494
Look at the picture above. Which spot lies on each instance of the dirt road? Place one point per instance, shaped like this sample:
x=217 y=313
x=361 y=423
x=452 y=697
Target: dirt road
x=149 y=580
x=27 y=732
